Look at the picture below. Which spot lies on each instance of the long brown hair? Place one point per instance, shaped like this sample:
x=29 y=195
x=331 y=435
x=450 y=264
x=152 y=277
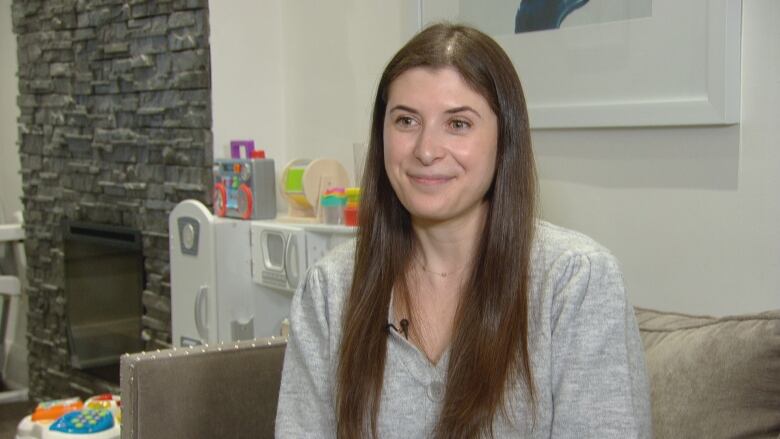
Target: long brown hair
x=489 y=348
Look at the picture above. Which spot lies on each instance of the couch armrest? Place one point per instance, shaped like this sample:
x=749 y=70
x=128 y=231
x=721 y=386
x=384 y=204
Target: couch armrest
x=226 y=390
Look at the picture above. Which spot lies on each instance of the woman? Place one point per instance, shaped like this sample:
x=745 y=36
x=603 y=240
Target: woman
x=457 y=313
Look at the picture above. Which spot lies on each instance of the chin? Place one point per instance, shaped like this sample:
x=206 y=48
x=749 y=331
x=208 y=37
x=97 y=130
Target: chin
x=426 y=208
x=433 y=214
x=430 y=217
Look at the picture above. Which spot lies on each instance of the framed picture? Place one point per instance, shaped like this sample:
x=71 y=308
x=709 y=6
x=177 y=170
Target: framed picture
x=615 y=63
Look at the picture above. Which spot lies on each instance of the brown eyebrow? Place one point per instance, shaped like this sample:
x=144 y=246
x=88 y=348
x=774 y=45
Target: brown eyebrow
x=450 y=111
x=403 y=108
x=464 y=108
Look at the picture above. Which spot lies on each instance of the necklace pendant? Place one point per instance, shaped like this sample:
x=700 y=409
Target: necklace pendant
x=437 y=273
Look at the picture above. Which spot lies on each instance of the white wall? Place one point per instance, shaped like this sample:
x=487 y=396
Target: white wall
x=248 y=80
x=336 y=53
x=692 y=213
x=10 y=192
x=299 y=77
x=10 y=180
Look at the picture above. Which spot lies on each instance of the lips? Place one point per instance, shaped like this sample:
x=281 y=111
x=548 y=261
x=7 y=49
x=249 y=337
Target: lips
x=430 y=179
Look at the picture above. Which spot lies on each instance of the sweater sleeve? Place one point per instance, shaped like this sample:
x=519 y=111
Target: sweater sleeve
x=305 y=408
x=599 y=382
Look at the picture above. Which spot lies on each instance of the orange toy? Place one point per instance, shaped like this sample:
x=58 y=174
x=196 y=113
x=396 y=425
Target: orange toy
x=52 y=410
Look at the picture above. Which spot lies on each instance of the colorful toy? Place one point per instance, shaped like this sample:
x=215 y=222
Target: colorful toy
x=351 y=209
x=245 y=187
x=84 y=421
x=303 y=181
x=51 y=410
x=333 y=201
x=97 y=418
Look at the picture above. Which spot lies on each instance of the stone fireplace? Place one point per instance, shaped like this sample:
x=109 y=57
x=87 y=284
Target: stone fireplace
x=115 y=130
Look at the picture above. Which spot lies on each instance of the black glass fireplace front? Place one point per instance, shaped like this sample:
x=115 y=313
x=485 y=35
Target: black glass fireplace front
x=104 y=279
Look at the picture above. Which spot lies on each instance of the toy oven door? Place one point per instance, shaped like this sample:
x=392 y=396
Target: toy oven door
x=284 y=256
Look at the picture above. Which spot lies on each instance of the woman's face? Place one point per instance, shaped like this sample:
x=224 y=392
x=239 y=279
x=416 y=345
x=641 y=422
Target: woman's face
x=440 y=142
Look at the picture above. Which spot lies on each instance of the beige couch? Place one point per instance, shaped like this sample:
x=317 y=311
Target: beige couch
x=710 y=378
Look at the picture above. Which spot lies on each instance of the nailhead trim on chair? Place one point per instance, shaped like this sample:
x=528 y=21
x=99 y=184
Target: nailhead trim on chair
x=175 y=352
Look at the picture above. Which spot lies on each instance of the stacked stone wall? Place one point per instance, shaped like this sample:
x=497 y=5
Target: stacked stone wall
x=115 y=128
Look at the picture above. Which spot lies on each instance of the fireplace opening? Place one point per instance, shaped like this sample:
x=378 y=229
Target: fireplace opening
x=104 y=279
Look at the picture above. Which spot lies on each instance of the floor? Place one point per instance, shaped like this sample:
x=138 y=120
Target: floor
x=10 y=415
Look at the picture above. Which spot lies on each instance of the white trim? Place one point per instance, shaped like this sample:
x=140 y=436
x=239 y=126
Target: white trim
x=13 y=396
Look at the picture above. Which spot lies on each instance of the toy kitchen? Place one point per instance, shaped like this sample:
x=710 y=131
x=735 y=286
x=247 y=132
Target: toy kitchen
x=234 y=269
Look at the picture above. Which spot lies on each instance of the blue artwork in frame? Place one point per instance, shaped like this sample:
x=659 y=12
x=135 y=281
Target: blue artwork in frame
x=533 y=15
x=507 y=17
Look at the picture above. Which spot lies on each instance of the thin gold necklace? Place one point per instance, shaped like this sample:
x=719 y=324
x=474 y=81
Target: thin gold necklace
x=439 y=273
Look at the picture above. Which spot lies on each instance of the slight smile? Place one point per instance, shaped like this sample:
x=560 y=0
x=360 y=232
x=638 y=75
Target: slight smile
x=430 y=180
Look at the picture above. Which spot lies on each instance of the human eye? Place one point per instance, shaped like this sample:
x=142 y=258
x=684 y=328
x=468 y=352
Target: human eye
x=460 y=124
x=405 y=122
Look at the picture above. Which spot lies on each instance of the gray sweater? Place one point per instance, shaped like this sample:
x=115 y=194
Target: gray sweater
x=586 y=354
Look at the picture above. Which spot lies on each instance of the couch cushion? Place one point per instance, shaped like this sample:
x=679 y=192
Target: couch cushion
x=713 y=377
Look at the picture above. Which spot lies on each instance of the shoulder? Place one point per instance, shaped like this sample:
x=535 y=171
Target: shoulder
x=575 y=280
x=552 y=241
x=330 y=278
x=338 y=263
x=555 y=244
x=563 y=257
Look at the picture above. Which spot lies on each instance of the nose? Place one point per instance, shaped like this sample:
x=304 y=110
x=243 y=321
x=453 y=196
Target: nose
x=429 y=147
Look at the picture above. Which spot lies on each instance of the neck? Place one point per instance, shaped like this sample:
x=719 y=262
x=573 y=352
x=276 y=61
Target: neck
x=448 y=246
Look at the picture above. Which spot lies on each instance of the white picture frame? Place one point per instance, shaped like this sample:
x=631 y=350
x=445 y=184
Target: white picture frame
x=679 y=66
